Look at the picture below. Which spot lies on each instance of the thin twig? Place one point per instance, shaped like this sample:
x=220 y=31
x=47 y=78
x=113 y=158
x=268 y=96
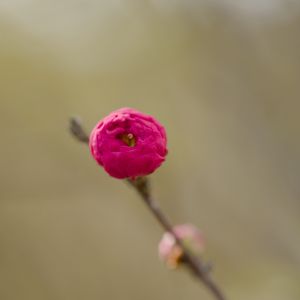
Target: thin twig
x=198 y=267
x=77 y=130
x=141 y=184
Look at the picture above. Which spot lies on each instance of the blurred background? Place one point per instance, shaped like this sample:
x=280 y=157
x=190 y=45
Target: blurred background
x=221 y=75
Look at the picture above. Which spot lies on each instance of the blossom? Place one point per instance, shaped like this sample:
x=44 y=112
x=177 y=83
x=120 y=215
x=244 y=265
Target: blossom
x=128 y=143
x=171 y=253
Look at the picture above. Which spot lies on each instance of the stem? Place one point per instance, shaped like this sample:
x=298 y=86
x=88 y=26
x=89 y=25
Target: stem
x=198 y=267
x=77 y=130
x=141 y=184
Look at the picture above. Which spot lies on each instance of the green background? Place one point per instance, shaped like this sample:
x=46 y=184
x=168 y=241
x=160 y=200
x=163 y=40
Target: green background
x=224 y=80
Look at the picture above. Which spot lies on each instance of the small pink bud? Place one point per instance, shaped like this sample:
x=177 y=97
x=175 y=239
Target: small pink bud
x=170 y=253
x=128 y=143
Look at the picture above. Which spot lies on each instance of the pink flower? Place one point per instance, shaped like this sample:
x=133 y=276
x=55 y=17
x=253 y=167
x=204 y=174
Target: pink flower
x=170 y=253
x=128 y=143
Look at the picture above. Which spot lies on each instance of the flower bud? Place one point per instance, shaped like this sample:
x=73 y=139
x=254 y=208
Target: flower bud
x=171 y=253
x=128 y=143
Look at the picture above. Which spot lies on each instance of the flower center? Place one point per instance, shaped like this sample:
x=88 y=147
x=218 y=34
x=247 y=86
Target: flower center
x=128 y=139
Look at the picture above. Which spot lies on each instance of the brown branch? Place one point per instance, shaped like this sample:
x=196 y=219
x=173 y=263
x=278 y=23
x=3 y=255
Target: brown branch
x=200 y=269
x=77 y=130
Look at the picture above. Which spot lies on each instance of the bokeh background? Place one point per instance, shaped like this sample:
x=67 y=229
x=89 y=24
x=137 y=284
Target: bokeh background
x=222 y=76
